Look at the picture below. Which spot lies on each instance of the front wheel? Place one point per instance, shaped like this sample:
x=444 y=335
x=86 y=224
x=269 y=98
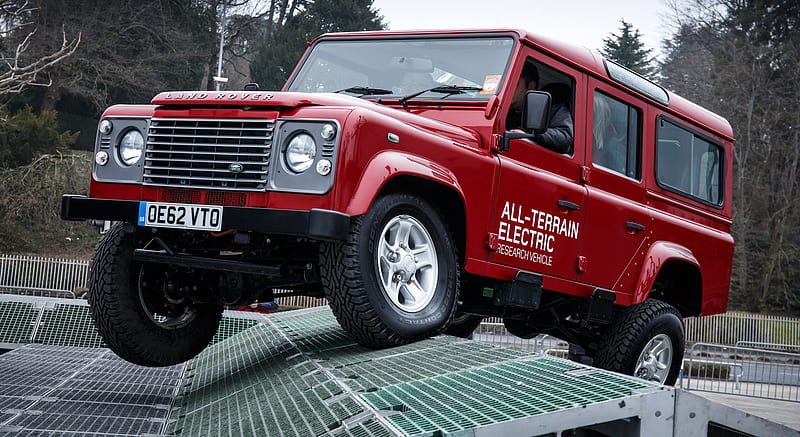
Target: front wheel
x=647 y=341
x=395 y=280
x=131 y=311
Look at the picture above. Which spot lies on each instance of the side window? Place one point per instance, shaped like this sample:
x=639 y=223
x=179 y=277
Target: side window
x=687 y=163
x=616 y=141
x=536 y=75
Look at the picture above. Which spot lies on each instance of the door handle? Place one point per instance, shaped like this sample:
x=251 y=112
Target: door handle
x=634 y=226
x=569 y=205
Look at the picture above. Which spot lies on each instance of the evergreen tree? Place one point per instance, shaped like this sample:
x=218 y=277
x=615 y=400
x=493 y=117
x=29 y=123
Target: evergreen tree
x=740 y=60
x=275 y=61
x=627 y=49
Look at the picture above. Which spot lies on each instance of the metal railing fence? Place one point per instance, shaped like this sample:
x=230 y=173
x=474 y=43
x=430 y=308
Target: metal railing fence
x=742 y=371
x=498 y=335
x=300 y=301
x=734 y=326
x=793 y=348
x=42 y=276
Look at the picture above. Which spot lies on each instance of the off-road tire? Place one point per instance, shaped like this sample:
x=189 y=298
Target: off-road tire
x=625 y=339
x=463 y=325
x=120 y=316
x=352 y=287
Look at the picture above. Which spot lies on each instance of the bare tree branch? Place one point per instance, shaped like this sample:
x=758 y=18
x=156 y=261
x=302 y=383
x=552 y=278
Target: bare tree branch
x=16 y=74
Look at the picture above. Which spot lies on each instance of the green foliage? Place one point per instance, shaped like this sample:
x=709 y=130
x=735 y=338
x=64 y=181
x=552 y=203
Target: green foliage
x=705 y=370
x=276 y=59
x=30 y=204
x=627 y=49
x=26 y=135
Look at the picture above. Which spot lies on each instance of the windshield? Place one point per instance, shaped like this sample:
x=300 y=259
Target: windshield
x=466 y=68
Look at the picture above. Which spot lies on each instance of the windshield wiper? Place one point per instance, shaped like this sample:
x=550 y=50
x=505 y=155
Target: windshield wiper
x=365 y=91
x=444 y=89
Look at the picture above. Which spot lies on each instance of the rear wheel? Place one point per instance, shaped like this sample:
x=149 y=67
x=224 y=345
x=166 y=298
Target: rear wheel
x=647 y=341
x=395 y=280
x=132 y=312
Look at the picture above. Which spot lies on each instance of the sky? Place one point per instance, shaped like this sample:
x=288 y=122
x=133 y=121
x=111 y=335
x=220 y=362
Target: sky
x=581 y=22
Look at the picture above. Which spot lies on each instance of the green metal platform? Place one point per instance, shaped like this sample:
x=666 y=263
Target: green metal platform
x=297 y=373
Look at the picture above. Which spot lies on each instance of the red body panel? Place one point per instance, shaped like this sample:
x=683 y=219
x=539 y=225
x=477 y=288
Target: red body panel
x=513 y=201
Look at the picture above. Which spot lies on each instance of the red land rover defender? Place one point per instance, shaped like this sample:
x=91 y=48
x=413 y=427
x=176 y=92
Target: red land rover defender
x=386 y=177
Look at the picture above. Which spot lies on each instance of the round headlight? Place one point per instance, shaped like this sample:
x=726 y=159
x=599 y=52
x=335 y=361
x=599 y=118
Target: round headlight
x=130 y=147
x=300 y=153
x=101 y=158
x=105 y=127
x=324 y=167
x=328 y=132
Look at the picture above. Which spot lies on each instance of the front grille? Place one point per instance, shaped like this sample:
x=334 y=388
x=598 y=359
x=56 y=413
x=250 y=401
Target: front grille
x=226 y=198
x=223 y=198
x=202 y=152
x=181 y=196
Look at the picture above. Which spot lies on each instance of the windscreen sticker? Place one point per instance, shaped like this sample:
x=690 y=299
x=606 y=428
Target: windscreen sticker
x=532 y=235
x=490 y=84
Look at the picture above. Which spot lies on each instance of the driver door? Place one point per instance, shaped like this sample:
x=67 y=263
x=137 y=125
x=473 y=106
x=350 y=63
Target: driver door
x=539 y=208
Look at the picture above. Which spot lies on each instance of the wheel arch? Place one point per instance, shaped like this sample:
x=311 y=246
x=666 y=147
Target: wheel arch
x=447 y=200
x=396 y=172
x=671 y=274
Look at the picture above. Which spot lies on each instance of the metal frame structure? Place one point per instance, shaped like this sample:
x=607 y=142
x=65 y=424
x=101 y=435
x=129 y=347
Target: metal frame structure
x=743 y=371
x=298 y=373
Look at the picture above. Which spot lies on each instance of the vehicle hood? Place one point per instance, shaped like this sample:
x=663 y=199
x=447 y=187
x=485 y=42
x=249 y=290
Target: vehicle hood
x=285 y=101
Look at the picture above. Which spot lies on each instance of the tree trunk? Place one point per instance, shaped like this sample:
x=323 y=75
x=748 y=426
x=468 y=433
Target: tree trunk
x=52 y=95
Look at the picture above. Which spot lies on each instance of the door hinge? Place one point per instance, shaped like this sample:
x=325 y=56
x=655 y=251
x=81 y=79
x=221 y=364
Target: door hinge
x=491 y=241
x=586 y=174
x=580 y=265
x=497 y=142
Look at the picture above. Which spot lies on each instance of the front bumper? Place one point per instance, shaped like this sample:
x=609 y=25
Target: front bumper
x=318 y=224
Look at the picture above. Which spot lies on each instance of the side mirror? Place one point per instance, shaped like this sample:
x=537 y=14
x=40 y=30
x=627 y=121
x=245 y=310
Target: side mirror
x=535 y=117
x=536 y=111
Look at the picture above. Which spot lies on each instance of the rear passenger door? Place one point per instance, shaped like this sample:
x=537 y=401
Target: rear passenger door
x=617 y=221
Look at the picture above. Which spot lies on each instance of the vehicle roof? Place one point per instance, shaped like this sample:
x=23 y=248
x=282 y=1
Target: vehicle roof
x=577 y=56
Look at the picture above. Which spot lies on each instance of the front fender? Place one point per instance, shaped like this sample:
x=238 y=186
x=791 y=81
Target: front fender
x=389 y=164
x=657 y=256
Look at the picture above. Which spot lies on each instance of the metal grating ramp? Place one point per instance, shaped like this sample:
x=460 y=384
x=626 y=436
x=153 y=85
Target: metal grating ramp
x=68 y=325
x=67 y=322
x=494 y=393
x=230 y=326
x=58 y=390
x=18 y=320
x=297 y=374
x=300 y=375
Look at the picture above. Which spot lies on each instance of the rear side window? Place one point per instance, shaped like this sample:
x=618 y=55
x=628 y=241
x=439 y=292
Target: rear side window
x=615 y=136
x=688 y=164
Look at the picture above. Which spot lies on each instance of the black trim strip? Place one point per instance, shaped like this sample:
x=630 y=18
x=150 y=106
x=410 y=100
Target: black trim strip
x=319 y=224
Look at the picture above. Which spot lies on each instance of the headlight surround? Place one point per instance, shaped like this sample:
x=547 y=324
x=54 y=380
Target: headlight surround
x=300 y=152
x=130 y=147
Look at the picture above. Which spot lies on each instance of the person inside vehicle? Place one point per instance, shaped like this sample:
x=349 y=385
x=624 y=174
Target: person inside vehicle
x=558 y=136
x=608 y=146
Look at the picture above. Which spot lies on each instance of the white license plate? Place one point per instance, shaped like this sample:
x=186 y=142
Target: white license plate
x=180 y=216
